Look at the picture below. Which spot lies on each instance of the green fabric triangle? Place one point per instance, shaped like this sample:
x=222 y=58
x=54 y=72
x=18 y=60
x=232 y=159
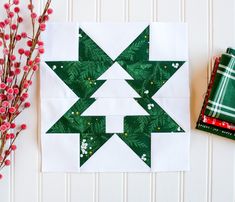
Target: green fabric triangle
x=138 y=50
x=140 y=143
x=90 y=143
x=73 y=122
x=80 y=77
x=150 y=76
x=158 y=121
x=89 y=50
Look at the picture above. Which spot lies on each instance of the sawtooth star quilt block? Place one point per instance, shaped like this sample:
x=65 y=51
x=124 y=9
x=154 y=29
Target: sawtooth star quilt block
x=115 y=97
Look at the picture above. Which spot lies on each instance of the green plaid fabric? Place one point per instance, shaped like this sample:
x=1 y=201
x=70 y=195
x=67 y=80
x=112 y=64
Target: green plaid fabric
x=221 y=103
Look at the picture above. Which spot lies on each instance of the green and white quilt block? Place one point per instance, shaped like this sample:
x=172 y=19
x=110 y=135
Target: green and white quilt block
x=121 y=103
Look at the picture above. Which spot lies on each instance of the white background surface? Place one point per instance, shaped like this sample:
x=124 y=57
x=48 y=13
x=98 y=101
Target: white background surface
x=211 y=179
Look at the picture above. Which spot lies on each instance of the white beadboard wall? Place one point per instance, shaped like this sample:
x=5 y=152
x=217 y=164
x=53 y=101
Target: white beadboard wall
x=211 y=179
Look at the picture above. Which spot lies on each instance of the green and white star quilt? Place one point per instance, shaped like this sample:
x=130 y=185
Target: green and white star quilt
x=115 y=97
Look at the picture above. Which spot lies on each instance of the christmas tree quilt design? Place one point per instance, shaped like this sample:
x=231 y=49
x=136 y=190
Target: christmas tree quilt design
x=115 y=97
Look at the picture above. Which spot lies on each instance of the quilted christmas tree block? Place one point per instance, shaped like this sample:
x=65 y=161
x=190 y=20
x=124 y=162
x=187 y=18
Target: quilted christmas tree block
x=115 y=97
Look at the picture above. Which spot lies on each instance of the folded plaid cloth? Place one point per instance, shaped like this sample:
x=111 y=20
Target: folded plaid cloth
x=221 y=102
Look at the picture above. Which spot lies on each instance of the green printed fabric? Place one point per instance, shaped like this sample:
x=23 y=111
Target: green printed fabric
x=82 y=77
x=221 y=103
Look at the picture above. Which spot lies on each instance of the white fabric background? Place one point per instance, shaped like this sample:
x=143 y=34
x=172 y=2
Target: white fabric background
x=212 y=158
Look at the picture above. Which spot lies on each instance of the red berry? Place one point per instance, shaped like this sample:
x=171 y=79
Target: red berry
x=21 y=51
x=35 y=67
x=16 y=2
x=30 y=82
x=17 y=71
x=10 y=91
x=33 y=15
x=13 y=147
x=29 y=43
x=3 y=128
x=12 y=110
x=7 y=36
x=30 y=62
x=20 y=19
x=50 y=11
x=23 y=126
x=7 y=152
x=7 y=21
x=18 y=37
x=46 y=18
x=27 y=104
x=13 y=125
x=8 y=136
x=2 y=24
x=30 y=6
x=14 y=27
x=37 y=60
x=2 y=86
x=27 y=53
x=42 y=26
x=7 y=162
x=41 y=50
x=5 y=103
x=23 y=34
x=12 y=135
x=22 y=99
x=9 y=79
x=17 y=9
x=2 y=110
x=13 y=57
x=25 y=95
x=16 y=90
x=25 y=85
x=6 y=6
x=11 y=14
x=26 y=68
x=40 y=43
x=1 y=176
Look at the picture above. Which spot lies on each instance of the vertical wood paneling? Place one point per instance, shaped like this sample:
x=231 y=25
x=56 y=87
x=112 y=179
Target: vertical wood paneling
x=84 y=10
x=136 y=11
x=117 y=10
x=54 y=186
x=139 y=187
x=196 y=178
x=82 y=188
x=167 y=187
x=110 y=187
x=222 y=170
x=5 y=186
x=223 y=25
x=168 y=10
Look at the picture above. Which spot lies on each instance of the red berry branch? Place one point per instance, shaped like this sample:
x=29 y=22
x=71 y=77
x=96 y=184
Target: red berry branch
x=19 y=60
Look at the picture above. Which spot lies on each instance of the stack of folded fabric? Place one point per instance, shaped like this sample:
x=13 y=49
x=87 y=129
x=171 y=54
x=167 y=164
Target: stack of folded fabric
x=218 y=112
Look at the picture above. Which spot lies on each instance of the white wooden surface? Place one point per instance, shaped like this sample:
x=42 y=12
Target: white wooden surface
x=211 y=179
